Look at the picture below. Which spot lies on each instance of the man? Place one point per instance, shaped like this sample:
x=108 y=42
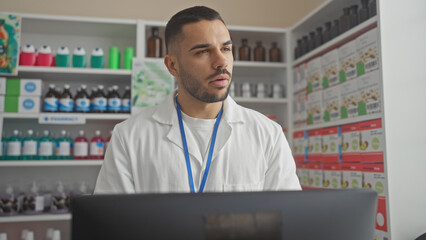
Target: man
x=198 y=139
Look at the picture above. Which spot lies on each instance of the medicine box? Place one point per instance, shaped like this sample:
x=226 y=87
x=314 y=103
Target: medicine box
x=331 y=101
x=22 y=104
x=314 y=145
x=350 y=143
x=330 y=68
x=332 y=176
x=331 y=140
x=372 y=144
x=347 y=62
x=316 y=175
x=368 y=52
x=349 y=98
x=314 y=75
x=1 y=103
x=23 y=87
x=315 y=106
x=369 y=97
x=381 y=215
x=375 y=178
x=351 y=175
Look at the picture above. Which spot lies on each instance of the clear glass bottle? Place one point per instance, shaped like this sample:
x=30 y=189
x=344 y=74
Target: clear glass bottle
x=275 y=53
x=244 y=52
x=259 y=52
x=344 y=21
x=155 y=44
x=363 y=11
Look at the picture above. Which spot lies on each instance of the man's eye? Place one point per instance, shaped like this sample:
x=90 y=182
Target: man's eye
x=202 y=51
x=227 y=49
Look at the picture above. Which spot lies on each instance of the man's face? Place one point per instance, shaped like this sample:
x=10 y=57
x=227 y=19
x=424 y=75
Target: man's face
x=205 y=60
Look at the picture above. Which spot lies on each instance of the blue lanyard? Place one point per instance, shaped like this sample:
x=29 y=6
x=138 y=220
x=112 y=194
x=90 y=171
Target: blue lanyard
x=185 y=149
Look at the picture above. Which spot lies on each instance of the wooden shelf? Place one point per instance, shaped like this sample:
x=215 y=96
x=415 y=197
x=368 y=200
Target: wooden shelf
x=49 y=163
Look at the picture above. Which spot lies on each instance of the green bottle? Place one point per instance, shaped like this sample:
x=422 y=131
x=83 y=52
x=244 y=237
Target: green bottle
x=14 y=146
x=29 y=146
x=45 y=148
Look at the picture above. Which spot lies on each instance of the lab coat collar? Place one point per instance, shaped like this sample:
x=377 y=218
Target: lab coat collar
x=166 y=111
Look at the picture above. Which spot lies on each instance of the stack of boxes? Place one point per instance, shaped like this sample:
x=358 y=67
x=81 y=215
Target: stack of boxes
x=20 y=95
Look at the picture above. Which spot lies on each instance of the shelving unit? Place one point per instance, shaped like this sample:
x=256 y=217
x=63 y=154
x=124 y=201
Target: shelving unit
x=35 y=218
x=88 y=116
x=50 y=163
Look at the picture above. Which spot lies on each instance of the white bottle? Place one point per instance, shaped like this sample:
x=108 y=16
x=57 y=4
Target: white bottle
x=24 y=234
x=49 y=233
x=30 y=235
x=3 y=236
x=29 y=146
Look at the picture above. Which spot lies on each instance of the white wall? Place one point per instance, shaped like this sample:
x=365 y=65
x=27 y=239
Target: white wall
x=403 y=38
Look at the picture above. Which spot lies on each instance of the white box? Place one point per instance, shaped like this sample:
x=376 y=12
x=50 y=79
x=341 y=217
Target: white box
x=351 y=175
x=331 y=99
x=332 y=176
x=316 y=175
x=347 y=61
x=369 y=99
x=349 y=97
x=2 y=86
x=368 y=52
x=330 y=68
x=350 y=142
x=314 y=75
x=331 y=141
x=315 y=111
x=375 y=178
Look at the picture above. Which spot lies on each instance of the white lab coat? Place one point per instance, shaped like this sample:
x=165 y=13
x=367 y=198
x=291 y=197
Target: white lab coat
x=145 y=154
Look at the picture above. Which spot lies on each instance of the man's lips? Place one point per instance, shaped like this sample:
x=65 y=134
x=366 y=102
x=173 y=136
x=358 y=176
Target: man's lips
x=220 y=81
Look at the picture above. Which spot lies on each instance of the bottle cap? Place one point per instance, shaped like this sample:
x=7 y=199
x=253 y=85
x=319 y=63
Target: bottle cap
x=45 y=49
x=28 y=48
x=46 y=132
x=81 y=132
x=127 y=87
x=101 y=87
x=83 y=86
x=30 y=132
x=79 y=51
x=56 y=235
x=34 y=187
x=63 y=50
x=98 y=133
x=66 y=86
x=115 y=87
x=97 y=52
x=63 y=132
x=15 y=132
x=30 y=235
x=24 y=234
x=60 y=187
x=49 y=233
x=9 y=189
x=51 y=85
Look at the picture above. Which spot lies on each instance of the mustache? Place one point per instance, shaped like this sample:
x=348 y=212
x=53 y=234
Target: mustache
x=219 y=72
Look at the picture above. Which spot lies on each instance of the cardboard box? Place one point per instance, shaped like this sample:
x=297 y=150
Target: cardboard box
x=303 y=173
x=347 y=62
x=303 y=70
x=300 y=145
x=350 y=143
x=314 y=145
x=314 y=75
x=331 y=101
x=332 y=176
x=330 y=68
x=22 y=104
x=381 y=215
x=351 y=175
x=349 y=98
x=315 y=112
x=303 y=113
x=372 y=143
x=316 y=175
x=368 y=52
x=2 y=86
x=369 y=99
x=375 y=178
x=331 y=140
x=23 y=87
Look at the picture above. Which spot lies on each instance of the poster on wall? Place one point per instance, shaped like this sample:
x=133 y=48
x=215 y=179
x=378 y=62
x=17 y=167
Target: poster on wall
x=151 y=83
x=10 y=29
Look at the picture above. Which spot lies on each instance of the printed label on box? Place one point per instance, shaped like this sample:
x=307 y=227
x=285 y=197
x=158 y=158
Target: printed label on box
x=303 y=174
x=369 y=93
x=315 y=108
x=332 y=176
x=331 y=99
x=347 y=61
x=381 y=216
x=368 y=53
x=303 y=114
x=349 y=99
x=350 y=143
x=372 y=144
x=299 y=143
x=29 y=105
x=316 y=176
x=314 y=145
x=330 y=68
x=331 y=140
x=314 y=75
x=303 y=70
x=374 y=177
x=351 y=175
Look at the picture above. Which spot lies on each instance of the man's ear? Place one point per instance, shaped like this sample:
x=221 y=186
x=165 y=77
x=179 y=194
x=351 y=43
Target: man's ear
x=170 y=60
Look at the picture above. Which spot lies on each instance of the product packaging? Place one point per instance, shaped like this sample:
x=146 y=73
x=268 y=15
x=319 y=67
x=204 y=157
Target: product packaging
x=375 y=178
x=351 y=175
x=350 y=143
x=314 y=75
x=27 y=57
x=23 y=87
x=331 y=101
x=22 y=104
x=372 y=144
x=315 y=105
x=79 y=58
x=314 y=145
x=368 y=52
x=44 y=56
x=316 y=175
x=330 y=68
x=347 y=62
x=2 y=104
x=349 y=95
x=381 y=216
x=332 y=176
x=369 y=99
x=331 y=140
x=97 y=58
x=63 y=57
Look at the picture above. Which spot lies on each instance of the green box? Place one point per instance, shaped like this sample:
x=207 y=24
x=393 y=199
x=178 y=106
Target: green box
x=13 y=87
x=11 y=104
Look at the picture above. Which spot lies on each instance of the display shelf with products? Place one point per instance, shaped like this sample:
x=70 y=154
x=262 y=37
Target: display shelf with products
x=341 y=122
x=70 y=70
x=35 y=218
x=261 y=100
x=87 y=116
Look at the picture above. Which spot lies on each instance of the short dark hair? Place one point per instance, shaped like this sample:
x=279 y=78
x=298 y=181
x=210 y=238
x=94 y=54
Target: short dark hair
x=189 y=15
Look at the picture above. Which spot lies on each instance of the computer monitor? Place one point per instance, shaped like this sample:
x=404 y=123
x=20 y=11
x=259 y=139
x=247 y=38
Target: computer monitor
x=325 y=214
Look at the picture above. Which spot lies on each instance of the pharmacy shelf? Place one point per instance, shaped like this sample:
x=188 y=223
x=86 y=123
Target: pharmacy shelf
x=70 y=70
x=49 y=163
x=261 y=100
x=36 y=218
x=87 y=116
x=338 y=41
x=341 y=122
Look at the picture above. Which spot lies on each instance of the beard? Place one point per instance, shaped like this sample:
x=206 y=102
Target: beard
x=194 y=87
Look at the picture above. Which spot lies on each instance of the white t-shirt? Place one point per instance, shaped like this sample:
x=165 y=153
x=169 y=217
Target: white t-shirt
x=201 y=130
